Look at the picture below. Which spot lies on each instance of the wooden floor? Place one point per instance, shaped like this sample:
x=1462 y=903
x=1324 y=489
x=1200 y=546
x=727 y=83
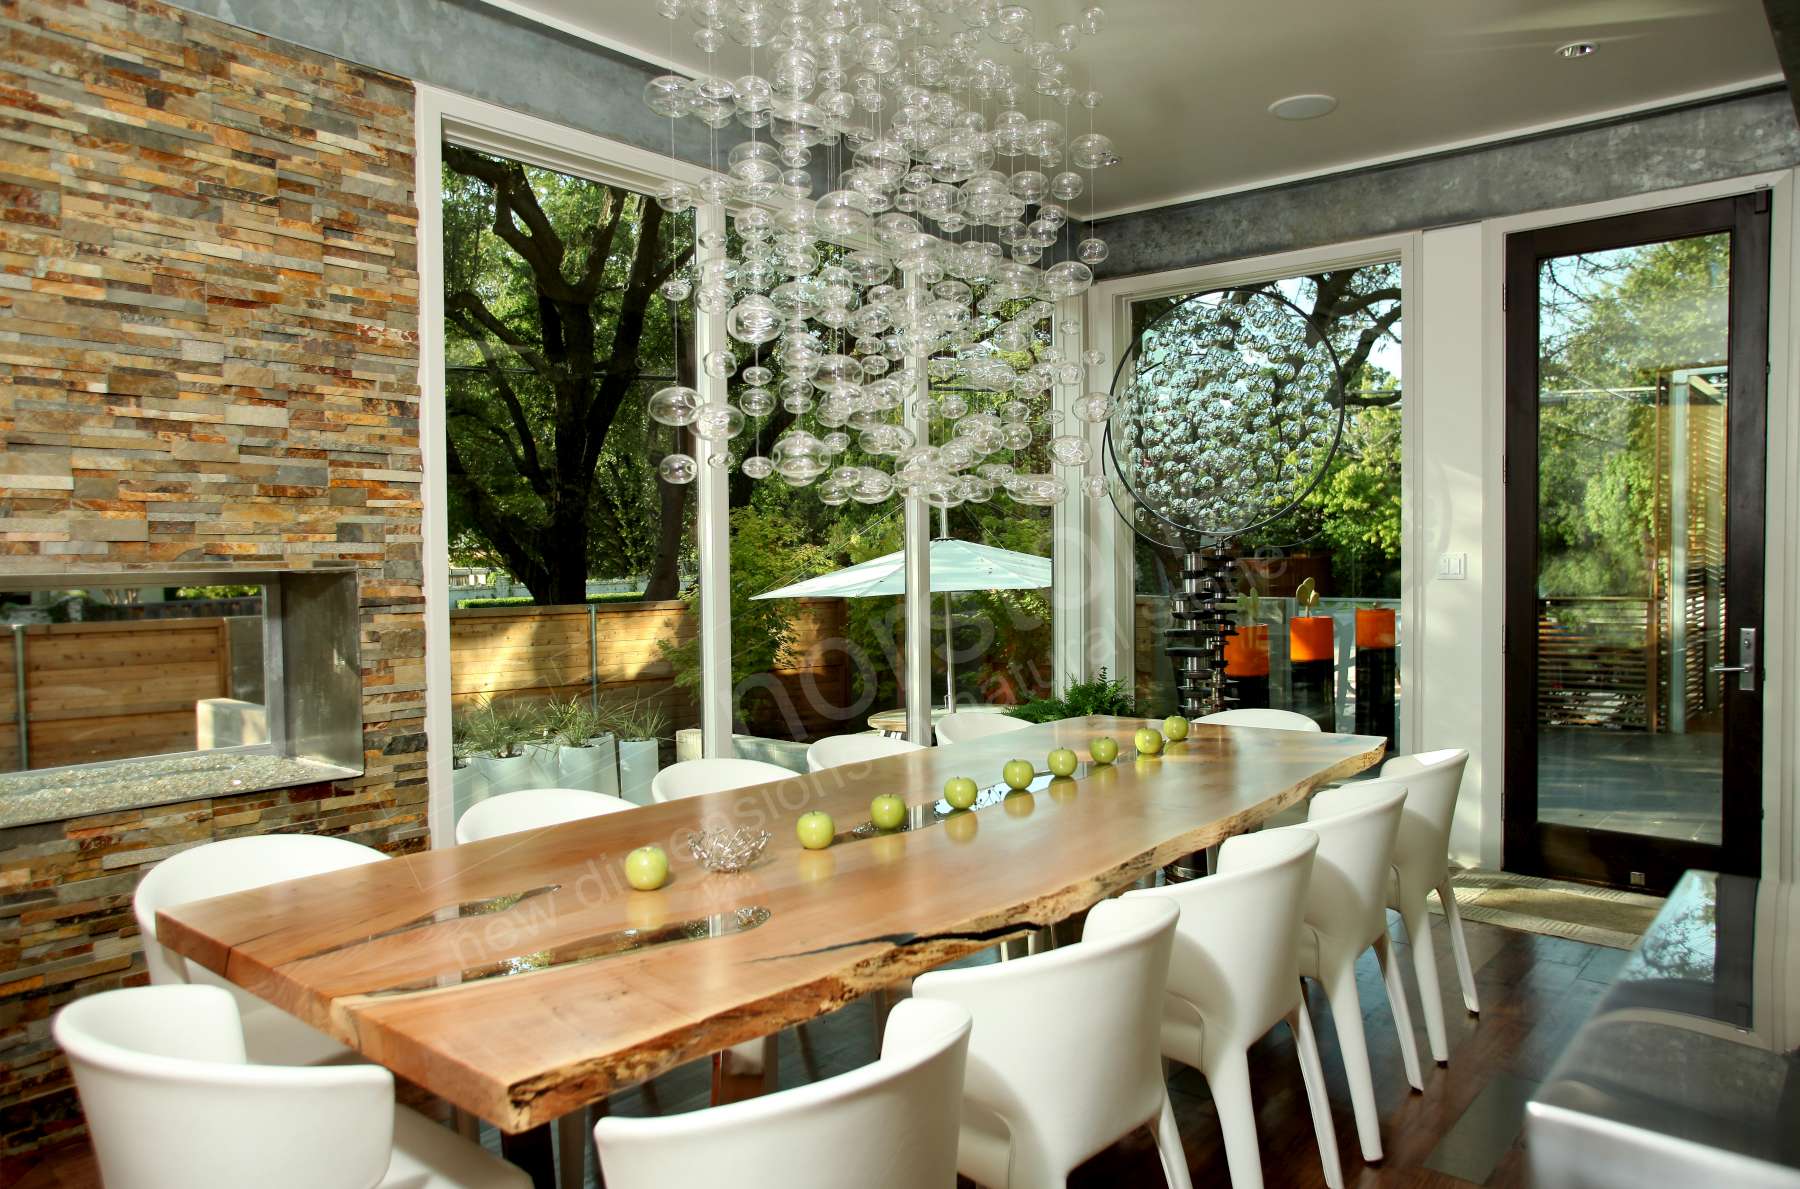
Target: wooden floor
x=1535 y=991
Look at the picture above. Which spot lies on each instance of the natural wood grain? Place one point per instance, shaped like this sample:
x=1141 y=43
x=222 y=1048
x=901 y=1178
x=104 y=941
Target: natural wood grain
x=523 y=1050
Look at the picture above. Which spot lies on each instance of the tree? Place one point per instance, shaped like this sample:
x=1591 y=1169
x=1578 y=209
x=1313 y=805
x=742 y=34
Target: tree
x=555 y=334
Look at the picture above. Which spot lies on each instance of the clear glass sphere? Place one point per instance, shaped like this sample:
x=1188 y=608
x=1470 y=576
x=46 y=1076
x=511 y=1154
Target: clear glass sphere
x=677 y=468
x=675 y=405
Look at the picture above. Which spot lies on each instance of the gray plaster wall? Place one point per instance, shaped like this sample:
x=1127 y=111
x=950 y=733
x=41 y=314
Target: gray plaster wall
x=479 y=50
x=1727 y=138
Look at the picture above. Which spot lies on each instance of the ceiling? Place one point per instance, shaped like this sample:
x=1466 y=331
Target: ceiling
x=1188 y=83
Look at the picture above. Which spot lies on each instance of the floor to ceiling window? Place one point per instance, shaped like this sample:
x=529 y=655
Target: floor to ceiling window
x=1317 y=613
x=572 y=649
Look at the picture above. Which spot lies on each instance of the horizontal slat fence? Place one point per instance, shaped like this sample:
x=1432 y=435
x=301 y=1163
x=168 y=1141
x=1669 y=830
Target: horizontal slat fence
x=1597 y=663
x=540 y=653
x=108 y=691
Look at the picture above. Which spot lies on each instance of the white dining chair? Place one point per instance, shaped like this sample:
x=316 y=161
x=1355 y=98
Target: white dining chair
x=1065 y=1056
x=533 y=809
x=838 y=750
x=1258 y=716
x=889 y=1125
x=1346 y=913
x=271 y=1035
x=1233 y=975
x=172 y=1103
x=693 y=778
x=1421 y=866
x=964 y=725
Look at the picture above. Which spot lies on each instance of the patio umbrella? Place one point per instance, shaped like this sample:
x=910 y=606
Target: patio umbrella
x=955 y=566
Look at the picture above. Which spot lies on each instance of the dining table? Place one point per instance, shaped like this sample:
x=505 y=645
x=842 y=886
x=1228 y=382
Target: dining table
x=523 y=978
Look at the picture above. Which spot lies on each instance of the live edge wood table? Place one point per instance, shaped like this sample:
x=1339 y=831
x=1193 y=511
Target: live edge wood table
x=522 y=979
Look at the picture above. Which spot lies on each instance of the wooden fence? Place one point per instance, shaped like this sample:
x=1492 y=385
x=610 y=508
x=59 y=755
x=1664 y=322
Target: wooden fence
x=615 y=650
x=1597 y=663
x=107 y=691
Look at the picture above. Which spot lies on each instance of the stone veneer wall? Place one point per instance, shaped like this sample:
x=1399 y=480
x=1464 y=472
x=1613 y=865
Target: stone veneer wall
x=208 y=355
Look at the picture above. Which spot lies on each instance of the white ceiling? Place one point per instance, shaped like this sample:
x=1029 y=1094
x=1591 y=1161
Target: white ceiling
x=1188 y=82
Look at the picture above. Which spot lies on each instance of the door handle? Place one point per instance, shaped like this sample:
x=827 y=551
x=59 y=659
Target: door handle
x=1746 y=669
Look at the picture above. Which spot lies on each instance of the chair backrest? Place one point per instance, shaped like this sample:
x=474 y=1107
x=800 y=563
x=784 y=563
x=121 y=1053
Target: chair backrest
x=692 y=778
x=171 y=1103
x=1067 y=1045
x=854 y=749
x=1433 y=779
x=964 y=725
x=1356 y=825
x=1235 y=955
x=889 y=1125
x=532 y=809
x=1256 y=716
x=220 y=868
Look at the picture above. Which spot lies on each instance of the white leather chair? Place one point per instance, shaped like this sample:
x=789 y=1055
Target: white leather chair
x=1346 y=913
x=1422 y=864
x=1257 y=716
x=693 y=778
x=1234 y=974
x=854 y=749
x=1065 y=1056
x=171 y=1103
x=964 y=725
x=532 y=809
x=271 y=1036
x=889 y=1125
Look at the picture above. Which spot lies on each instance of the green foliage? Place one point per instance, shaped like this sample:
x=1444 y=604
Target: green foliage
x=574 y=722
x=1100 y=695
x=217 y=592
x=497 y=728
x=611 y=596
x=633 y=718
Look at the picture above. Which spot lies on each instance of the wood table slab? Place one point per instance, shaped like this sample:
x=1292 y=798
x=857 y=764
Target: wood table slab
x=403 y=960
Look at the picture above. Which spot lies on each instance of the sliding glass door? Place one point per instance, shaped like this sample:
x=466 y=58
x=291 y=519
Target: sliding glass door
x=1637 y=352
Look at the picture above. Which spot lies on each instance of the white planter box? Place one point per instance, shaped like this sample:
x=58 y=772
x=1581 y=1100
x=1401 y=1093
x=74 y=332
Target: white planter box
x=638 y=765
x=509 y=774
x=468 y=787
x=594 y=767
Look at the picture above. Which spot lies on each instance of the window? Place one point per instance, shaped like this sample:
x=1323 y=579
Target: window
x=573 y=649
x=1343 y=542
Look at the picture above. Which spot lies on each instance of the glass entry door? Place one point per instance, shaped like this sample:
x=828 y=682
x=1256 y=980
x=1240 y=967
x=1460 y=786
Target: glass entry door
x=1636 y=364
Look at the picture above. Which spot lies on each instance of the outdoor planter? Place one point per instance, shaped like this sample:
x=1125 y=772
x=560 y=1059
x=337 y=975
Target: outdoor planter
x=468 y=786
x=1247 y=663
x=1312 y=651
x=638 y=765
x=593 y=766
x=509 y=774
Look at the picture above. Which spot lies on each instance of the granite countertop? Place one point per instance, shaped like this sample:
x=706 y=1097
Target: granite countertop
x=83 y=791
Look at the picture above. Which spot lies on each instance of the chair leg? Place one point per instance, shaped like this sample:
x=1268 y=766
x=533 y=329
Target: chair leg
x=1396 y=993
x=1312 y=1072
x=1346 y=1015
x=1417 y=916
x=1228 y=1078
x=1464 y=973
x=1168 y=1146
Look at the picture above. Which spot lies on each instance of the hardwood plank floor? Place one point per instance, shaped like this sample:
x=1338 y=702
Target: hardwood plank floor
x=1534 y=991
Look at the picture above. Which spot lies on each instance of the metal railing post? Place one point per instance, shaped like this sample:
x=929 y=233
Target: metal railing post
x=20 y=712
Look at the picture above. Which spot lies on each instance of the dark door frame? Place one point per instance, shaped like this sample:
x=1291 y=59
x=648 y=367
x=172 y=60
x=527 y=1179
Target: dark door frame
x=1604 y=856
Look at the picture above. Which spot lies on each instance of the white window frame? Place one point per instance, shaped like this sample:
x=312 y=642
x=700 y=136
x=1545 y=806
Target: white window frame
x=440 y=114
x=1110 y=626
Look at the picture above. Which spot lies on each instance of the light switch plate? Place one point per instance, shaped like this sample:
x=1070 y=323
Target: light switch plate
x=1453 y=566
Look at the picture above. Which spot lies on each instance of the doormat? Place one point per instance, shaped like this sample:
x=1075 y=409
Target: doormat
x=1598 y=916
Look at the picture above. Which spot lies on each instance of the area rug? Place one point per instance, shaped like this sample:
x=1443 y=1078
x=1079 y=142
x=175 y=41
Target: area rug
x=1599 y=916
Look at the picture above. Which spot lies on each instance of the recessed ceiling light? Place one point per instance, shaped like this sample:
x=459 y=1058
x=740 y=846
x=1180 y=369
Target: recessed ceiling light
x=1577 y=49
x=1303 y=107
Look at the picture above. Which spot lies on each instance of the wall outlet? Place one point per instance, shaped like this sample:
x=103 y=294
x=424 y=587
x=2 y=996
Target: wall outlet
x=1453 y=566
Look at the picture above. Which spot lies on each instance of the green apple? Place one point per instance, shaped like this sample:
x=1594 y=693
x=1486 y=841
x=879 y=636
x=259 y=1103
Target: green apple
x=1105 y=749
x=1148 y=741
x=961 y=792
x=646 y=868
x=1018 y=774
x=815 y=830
x=1175 y=727
x=887 y=811
x=1062 y=762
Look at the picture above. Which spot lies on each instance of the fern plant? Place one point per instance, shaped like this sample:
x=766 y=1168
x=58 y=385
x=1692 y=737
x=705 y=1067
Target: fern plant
x=1100 y=695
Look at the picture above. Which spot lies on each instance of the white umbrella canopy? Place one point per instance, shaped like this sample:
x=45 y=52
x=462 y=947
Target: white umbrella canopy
x=955 y=566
